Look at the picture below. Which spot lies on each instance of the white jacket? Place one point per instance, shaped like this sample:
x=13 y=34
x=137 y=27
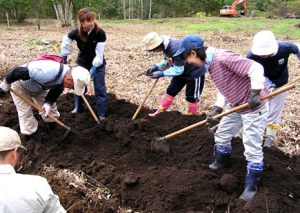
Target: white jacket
x=26 y=193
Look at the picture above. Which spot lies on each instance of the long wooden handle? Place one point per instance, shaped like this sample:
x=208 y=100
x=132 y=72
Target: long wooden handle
x=144 y=100
x=39 y=109
x=235 y=109
x=153 y=85
x=90 y=109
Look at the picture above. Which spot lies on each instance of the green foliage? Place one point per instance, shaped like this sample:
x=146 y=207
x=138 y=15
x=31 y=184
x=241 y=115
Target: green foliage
x=112 y=9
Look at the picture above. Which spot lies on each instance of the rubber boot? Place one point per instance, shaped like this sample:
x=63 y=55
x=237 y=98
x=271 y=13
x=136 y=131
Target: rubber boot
x=78 y=105
x=251 y=184
x=222 y=156
x=193 y=108
x=271 y=133
x=37 y=142
x=165 y=103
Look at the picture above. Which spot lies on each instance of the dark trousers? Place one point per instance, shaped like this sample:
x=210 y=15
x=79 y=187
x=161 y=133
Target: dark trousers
x=194 y=87
x=100 y=92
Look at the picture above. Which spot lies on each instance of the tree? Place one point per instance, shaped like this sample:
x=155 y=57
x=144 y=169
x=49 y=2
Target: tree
x=63 y=10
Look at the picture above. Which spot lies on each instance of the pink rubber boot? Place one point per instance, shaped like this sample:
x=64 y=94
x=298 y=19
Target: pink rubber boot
x=165 y=103
x=193 y=108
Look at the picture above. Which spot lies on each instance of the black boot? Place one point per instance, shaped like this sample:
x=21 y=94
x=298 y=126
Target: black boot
x=221 y=161
x=251 y=184
x=37 y=142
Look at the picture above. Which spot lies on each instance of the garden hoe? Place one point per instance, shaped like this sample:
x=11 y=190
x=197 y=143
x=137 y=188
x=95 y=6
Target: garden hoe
x=161 y=144
x=144 y=100
x=40 y=110
x=90 y=109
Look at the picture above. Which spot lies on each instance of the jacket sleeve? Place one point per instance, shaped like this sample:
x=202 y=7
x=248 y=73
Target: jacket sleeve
x=220 y=101
x=99 y=58
x=17 y=73
x=256 y=75
x=53 y=94
x=65 y=49
x=174 y=71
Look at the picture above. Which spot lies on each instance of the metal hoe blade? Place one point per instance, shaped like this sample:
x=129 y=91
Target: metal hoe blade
x=160 y=145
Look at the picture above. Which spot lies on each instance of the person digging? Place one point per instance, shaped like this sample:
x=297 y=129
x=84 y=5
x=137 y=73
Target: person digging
x=183 y=74
x=41 y=81
x=239 y=80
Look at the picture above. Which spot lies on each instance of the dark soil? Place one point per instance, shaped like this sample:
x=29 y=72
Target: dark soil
x=117 y=154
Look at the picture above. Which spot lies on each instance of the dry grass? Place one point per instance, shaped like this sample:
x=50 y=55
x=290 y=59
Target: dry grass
x=126 y=60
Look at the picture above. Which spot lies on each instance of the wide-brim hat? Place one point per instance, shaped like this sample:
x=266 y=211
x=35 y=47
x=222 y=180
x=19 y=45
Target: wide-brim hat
x=151 y=41
x=264 y=43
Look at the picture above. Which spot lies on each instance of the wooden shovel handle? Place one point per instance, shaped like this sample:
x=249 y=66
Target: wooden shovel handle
x=39 y=109
x=90 y=109
x=235 y=109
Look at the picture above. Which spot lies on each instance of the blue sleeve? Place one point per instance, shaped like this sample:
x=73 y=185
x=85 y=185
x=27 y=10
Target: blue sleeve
x=174 y=71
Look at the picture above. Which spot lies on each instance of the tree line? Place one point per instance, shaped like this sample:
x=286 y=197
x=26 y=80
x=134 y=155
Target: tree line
x=65 y=10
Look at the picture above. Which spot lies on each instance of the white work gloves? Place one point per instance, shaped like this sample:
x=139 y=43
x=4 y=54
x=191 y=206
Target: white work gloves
x=46 y=107
x=5 y=87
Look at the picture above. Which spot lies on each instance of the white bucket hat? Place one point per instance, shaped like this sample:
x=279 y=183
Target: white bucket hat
x=151 y=41
x=9 y=139
x=264 y=43
x=81 y=78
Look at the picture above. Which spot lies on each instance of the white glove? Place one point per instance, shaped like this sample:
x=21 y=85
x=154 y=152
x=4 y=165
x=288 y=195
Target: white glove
x=46 y=107
x=4 y=86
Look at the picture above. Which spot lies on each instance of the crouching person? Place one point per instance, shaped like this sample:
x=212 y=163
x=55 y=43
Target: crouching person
x=239 y=80
x=41 y=81
x=18 y=192
x=182 y=74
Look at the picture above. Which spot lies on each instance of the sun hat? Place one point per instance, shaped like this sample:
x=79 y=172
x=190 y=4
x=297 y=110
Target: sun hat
x=81 y=78
x=264 y=43
x=151 y=41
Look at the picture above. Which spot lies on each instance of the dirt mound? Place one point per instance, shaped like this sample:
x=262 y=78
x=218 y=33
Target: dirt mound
x=117 y=154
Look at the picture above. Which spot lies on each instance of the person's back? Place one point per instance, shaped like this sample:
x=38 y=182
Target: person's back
x=18 y=192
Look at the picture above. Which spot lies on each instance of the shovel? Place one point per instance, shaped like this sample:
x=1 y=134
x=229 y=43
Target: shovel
x=160 y=144
x=144 y=100
x=41 y=110
x=90 y=109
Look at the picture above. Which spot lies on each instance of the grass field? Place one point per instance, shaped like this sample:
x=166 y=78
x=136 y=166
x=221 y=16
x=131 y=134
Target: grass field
x=285 y=28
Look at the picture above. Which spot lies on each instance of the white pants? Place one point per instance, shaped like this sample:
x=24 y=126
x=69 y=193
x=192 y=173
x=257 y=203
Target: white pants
x=253 y=123
x=27 y=121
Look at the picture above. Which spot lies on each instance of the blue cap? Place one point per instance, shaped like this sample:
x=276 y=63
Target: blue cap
x=189 y=42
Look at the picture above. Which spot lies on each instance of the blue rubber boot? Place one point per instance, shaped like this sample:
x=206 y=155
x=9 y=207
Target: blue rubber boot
x=222 y=156
x=254 y=173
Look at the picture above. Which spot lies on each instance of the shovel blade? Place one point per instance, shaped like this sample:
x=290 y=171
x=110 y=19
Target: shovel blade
x=158 y=146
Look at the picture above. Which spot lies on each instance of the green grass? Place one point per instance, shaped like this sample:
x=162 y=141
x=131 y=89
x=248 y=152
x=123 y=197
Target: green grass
x=283 y=28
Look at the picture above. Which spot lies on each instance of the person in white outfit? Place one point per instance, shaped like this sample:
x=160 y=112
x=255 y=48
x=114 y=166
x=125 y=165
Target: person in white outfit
x=19 y=192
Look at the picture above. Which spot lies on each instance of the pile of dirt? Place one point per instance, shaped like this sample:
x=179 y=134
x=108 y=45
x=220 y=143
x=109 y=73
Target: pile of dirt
x=117 y=155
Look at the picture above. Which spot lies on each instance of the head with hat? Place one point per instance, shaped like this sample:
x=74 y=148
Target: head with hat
x=192 y=50
x=77 y=78
x=153 y=42
x=264 y=44
x=10 y=143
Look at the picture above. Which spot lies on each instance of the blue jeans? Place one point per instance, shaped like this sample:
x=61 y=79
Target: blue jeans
x=100 y=93
x=100 y=90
